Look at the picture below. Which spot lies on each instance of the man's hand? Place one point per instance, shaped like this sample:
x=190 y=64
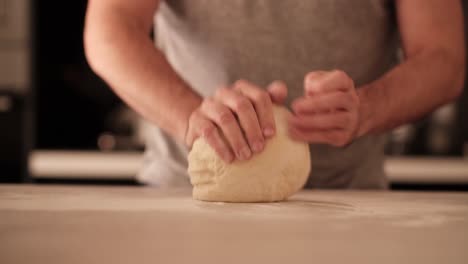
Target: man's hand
x=329 y=111
x=236 y=121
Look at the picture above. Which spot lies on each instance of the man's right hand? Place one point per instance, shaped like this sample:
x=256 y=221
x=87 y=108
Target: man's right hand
x=236 y=121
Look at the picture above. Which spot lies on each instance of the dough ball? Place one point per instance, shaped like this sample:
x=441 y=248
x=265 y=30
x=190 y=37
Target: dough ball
x=276 y=173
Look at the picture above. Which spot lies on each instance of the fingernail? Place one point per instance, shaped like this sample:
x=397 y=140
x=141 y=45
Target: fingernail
x=245 y=153
x=268 y=132
x=257 y=146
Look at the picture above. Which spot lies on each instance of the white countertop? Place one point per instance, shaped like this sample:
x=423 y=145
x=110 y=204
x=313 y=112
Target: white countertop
x=63 y=224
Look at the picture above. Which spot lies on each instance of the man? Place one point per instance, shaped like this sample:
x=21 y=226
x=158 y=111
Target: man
x=214 y=68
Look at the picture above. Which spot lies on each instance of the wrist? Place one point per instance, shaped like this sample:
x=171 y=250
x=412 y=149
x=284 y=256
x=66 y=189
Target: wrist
x=184 y=121
x=365 y=112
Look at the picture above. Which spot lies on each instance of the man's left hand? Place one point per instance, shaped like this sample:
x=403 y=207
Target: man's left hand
x=328 y=112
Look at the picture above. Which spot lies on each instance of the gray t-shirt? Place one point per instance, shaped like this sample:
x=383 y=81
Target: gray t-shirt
x=212 y=43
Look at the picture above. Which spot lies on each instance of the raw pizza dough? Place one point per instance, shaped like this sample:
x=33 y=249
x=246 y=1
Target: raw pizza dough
x=276 y=173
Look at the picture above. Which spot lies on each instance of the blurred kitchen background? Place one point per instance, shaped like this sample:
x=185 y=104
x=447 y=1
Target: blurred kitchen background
x=59 y=123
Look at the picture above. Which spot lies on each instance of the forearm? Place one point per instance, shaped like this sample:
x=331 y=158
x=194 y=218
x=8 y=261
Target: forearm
x=431 y=33
x=121 y=52
x=410 y=91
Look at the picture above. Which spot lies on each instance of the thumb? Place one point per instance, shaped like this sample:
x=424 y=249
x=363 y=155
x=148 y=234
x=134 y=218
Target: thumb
x=278 y=92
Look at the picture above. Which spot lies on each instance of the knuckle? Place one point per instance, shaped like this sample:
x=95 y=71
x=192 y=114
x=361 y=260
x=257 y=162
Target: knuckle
x=314 y=84
x=339 y=74
x=207 y=130
x=242 y=104
x=225 y=117
x=240 y=83
x=311 y=76
x=343 y=76
x=220 y=92
x=262 y=96
x=278 y=83
x=207 y=102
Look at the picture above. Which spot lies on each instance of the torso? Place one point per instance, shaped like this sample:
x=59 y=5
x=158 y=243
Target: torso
x=212 y=43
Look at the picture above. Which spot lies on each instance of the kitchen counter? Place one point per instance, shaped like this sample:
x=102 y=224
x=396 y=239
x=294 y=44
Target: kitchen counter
x=89 y=224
